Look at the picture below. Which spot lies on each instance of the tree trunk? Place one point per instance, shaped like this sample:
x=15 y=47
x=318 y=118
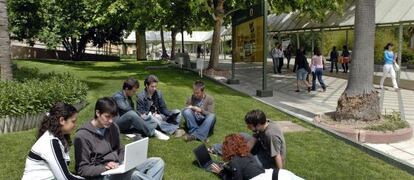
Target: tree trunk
x=5 y=59
x=164 y=51
x=182 y=40
x=173 y=42
x=140 y=44
x=215 y=44
x=360 y=100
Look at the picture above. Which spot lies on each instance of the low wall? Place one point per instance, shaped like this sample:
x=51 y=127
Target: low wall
x=22 y=52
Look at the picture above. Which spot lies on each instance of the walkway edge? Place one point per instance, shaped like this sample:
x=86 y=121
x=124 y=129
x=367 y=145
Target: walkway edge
x=364 y=147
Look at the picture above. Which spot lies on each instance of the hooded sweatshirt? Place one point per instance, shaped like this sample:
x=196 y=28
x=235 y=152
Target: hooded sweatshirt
x=93 y=149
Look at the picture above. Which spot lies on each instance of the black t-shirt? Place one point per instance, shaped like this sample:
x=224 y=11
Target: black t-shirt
x=244 y=168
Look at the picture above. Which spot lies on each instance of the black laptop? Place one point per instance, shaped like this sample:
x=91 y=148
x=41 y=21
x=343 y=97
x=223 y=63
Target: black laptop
x=172 y=118
x=203 y=157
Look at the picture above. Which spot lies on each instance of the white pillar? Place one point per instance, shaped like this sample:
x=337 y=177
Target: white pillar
x=313 y=42
x=322 y=41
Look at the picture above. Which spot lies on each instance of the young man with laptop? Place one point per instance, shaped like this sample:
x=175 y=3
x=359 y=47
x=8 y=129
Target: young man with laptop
x=98 y=149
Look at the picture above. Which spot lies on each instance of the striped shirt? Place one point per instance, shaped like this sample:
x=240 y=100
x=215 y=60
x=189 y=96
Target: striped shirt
x=48 y=160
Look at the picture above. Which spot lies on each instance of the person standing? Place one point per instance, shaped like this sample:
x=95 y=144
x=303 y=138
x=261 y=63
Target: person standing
x=334 y=59
x=317 y=66
x=389 y=60
x=345 y=58
x=288 y=54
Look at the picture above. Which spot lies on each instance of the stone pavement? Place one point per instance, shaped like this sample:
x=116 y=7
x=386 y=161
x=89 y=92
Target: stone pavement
x=306 y=105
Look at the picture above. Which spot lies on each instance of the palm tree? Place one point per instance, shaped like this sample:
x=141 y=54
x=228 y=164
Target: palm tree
x=5 y=61
x=360 y=100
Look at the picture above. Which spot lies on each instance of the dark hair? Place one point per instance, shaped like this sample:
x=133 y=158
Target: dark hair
x=234 y=145
x=199 y=85
x=150 y=79
x=130 y=83
x=345 y=47
x=387 y=47
x=51 y=122
x=255 y=117
x=317 y=51
x=106 y=105
x=334 y=48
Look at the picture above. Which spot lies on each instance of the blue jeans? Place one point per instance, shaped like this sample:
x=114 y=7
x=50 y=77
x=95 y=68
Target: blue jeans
x=198 y=124
x=317 y=74
x=166 y=127
x=131 y=121
x=151 y=169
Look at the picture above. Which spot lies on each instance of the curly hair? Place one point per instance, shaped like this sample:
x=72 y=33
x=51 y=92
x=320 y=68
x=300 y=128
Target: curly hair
x=234 y=145
x=51 y=122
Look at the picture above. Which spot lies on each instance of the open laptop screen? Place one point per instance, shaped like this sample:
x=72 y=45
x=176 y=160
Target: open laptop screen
x=202 y=156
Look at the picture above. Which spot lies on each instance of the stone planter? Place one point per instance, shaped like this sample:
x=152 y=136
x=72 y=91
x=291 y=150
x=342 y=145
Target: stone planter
x=368 y=136
x=28 y=121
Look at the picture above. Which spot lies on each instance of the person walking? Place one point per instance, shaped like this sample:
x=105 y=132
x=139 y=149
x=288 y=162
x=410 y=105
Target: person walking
x=334 y=59
x=389 y=60
x=302 y=69
x=346 y=58
x=317 y=66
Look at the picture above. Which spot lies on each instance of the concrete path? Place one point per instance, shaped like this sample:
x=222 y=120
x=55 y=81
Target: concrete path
x=306 y=105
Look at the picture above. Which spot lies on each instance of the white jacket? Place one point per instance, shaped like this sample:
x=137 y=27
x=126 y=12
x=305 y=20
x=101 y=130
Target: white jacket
x=48 y=160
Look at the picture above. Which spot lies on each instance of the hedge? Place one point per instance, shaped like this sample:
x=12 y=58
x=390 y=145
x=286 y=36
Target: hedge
x=34 y=95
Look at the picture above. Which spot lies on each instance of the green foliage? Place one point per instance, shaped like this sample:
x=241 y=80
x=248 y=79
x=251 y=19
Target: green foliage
x=391 y=122
x=33 y=94
x=408 y=56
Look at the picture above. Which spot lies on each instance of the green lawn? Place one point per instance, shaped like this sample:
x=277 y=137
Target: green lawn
x=312 y=155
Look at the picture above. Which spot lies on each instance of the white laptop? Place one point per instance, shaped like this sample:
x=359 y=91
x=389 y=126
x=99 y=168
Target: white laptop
x=135 y=154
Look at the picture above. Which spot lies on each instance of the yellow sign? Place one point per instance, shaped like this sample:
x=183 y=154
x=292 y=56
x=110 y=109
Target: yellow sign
x=248 y=38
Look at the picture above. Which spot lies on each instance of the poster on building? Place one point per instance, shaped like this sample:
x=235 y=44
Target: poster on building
x=248 y=35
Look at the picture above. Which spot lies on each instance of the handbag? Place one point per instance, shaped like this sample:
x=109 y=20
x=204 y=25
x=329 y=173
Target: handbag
x=341 y=59
x=396 y=67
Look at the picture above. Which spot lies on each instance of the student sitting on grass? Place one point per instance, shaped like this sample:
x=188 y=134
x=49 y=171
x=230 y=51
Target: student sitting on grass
x=49 y=156
x=98 y=148
x=199 y=114
x=267 y=143
x=129 y=121
x=241 y=165
x=151 y=105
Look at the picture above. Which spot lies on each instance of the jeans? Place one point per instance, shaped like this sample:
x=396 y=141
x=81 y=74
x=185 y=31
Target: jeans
x=275 y=64
x=334 y=63
x=131 y=121
x=279 y=68
x=317 y=74
x=199 y=125
x=166 y=127
x=151 y=169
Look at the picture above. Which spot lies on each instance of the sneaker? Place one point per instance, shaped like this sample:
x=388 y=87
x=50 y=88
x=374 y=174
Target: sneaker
x=134 y=136
x=179 y=133
x=309 y=89
x=324 y=89
x=297 y=90
x=189 y=137
x=160 y=135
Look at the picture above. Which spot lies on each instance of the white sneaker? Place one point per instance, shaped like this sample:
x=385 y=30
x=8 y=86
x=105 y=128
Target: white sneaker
x=160 y=135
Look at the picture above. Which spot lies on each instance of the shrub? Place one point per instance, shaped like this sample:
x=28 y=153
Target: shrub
x=36 y=95
x=391 y=122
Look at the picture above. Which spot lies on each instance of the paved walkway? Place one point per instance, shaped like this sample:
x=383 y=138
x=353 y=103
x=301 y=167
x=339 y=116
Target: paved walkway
x=307 y=105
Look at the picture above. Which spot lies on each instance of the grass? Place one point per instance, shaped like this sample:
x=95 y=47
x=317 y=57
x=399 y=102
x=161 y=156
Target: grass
x=313 y=154
x=391 y=122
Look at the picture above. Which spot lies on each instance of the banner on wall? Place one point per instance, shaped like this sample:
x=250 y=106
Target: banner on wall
x=247 y=33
